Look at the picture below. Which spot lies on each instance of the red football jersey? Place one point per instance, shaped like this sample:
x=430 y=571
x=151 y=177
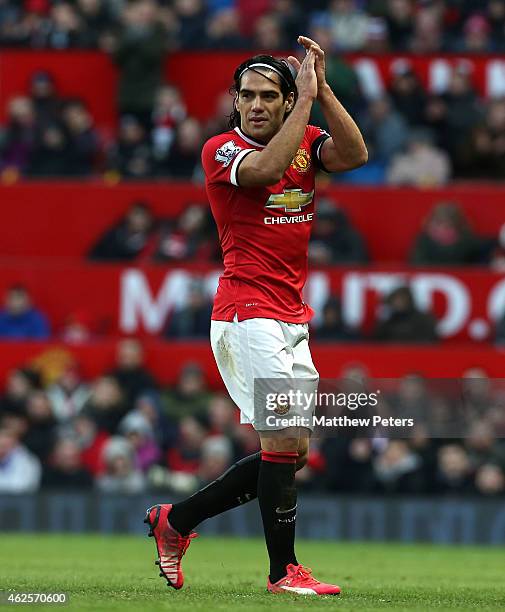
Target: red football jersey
x=264 y=231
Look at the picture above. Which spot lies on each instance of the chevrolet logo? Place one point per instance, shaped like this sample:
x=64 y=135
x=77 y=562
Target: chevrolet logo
x=291 y=200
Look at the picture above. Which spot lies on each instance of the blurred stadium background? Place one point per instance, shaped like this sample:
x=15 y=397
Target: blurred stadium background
x=110 y=398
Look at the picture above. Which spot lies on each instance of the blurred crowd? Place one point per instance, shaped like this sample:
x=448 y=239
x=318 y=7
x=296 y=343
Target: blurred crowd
x=124 y=433
x=420 y=26
x=413 y=136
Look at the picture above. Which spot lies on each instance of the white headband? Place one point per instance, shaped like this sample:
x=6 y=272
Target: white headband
x=261 y=65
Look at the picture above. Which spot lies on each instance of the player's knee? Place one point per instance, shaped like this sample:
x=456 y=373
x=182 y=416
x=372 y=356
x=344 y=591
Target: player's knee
x=279 y=444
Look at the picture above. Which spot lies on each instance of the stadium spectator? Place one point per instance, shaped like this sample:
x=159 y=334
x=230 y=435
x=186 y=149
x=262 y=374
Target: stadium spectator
x=343 y=81
x=82 y=147
x=128 y=238
x=191 y=237
x=49 y=156
x=68 y=394
x=165 y=429
x=407 y=93
x=477 y=394
x=136 y=428
x=95 y=17
x=190 y=395
x=349 y=25
x=376 y=37
x=27 y=25
x=411 y=399
x=399 y=469
x=464 y=110
x=130 y=372
x=17 y=139
x=481 y=445
x=222 y=416
x=131 y=155
x=483 y=154
x=401 y=321
x=120 y=475
x=216 y=458
x=219 y=122
x=269 y=35
x=428 y=34
x=333 y=328
x=291 y=19
x=41 y=433
x=222 y=31
x=334 y=240
x=191 y=321
x=385 y=130
x=169 y=111
x=19 y=385
x=19 y=470
x=422 y=165
x=349 y=466
x=185 y=455
x=490 y=480
x=400 y=20
x=106 y=405
x=65 y=28
x=77 y=328
x=65 y=471
x=19 y=319
x=139 y=53
x=446 y=239
x=192 y=19
x=44 y=98
x=91 y=441
x=454 y=471
x=183 y=159
x=476 y=36
x=496 y=19
x=250 y=12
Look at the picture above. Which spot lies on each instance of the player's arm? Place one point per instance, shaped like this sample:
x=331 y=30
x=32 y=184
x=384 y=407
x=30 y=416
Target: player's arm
x=346 y=148
x=267 y=167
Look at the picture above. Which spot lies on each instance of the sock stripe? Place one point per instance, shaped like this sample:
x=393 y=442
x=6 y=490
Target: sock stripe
x=279 y=456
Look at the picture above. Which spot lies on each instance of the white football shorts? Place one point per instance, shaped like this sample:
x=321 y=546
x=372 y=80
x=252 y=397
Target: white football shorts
x=262 y=349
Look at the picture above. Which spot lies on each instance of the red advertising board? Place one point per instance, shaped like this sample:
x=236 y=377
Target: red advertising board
x=140 y=300
x=65 y=219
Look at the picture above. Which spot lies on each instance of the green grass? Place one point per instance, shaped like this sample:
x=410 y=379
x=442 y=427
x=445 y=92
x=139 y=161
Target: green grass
x=117 y=573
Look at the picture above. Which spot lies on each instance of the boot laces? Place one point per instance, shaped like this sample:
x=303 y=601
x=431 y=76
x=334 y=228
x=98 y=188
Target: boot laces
x=304 y=573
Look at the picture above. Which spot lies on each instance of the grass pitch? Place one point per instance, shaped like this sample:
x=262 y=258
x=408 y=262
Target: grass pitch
x=117 y=573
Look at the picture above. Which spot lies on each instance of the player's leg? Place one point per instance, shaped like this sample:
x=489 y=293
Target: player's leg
x=235 y=359
x=171 y=524
x=277 y=496
x=277 y=486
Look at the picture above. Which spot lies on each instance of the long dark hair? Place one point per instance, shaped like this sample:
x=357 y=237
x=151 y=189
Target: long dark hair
x=287 y=83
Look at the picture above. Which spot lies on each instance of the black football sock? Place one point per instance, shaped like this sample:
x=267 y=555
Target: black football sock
x=238 y=485
x=277 y=500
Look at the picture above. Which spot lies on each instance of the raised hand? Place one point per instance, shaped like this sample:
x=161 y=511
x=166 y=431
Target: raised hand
x=306 y=80
x=319 y=65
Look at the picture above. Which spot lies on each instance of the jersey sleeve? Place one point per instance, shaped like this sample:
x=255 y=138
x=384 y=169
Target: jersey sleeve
x=317 y=137
x=221 y=158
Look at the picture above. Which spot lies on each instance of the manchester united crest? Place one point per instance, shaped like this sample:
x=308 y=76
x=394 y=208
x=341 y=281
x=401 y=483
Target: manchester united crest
x=301 y=161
